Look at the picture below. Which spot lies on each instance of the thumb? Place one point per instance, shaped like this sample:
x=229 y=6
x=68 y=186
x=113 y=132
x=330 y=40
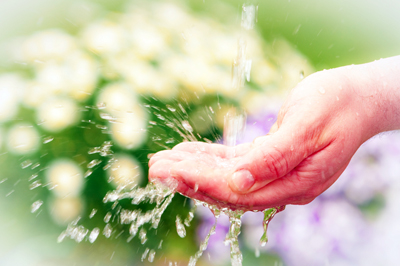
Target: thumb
x=272 y=157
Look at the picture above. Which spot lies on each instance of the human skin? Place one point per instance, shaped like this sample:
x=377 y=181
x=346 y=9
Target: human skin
x=324 y=120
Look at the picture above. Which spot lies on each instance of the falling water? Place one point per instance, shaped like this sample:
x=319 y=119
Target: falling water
x=161 y=195
x=268 y=215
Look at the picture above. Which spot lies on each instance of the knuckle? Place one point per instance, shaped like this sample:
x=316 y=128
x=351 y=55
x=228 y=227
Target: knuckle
x=275 y=162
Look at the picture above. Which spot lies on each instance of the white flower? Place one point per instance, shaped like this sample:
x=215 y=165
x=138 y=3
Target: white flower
x=171 y=16
x=35 y=94
x=148 y=41
x=144 y=78
x=82 y=73
x=224 y=48
x=53 y=77
x=264 y=72
x=129 y=131
x=104 y=37
x=66 y=177
x=12 y=87
x=23 y=138
x=48 y=45
x=65 y=210
x=75 y=75
x=57 y=114
x=118 y=98
x=125 y=171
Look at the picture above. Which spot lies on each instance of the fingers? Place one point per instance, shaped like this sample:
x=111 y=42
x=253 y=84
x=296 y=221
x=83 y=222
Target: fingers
x=171 y=155
x=160 y=170
x=202 y=147
x=272 y=157
x=202 y=176
x=219 y=150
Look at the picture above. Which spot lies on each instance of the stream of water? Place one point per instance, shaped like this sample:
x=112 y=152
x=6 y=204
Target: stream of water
x=161 y=195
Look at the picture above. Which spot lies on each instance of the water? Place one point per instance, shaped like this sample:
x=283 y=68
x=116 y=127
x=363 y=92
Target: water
x=233 y=234
x=94 y=234
x=234 y=126
x=36 y=205
x=152 y=254
x=174 y=117
x=203 y=246
x=268 y=215
x=180 y=228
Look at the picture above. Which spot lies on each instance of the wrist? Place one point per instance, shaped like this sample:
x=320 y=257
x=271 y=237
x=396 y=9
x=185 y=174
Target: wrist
x=380 y=92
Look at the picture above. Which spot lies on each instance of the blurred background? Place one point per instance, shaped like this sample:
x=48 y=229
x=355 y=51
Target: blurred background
x=90 y=89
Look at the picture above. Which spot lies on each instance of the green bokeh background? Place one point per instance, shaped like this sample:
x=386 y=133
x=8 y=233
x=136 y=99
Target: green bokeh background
x=330 y=33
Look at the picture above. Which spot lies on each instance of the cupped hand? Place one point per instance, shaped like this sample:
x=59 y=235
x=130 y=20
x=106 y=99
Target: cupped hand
x=320 y=126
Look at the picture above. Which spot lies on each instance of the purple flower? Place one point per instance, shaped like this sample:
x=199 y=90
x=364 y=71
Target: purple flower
x=320 y=232
x=374 y=167
x=258 y=125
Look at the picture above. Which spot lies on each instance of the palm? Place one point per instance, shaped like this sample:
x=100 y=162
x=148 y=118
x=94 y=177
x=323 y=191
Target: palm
x=305 y=152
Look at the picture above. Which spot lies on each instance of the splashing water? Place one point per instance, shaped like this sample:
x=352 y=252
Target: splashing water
x=36 y=205
x=161 y=195
x=203 y=246
x=180 y=228
x=234 y=126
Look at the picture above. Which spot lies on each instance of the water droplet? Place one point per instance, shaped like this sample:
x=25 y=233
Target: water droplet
x=180 y=228
x=160 y=245
x=32 y=177
x=36 y=165
x=169 y=141
x=187 y=126
x=268 y=215
x=337 y=98
x=142 y=236
x=88 y=173
x=92 y=213
x=93 y=163
x=26 y=164
x=257 y=252
x=302 y=74
x=47 y=139
x=106 y=116
x=107 y=231
x=152 y=254
x=144 y=255
x=35 y=184
x=321 y=90
x=292 y=147
x=107 y=217
x=196 y=187
x=296 y=30
x=94 y=234
x=36 y=205
x=103 y=127
x=101 y=105
x=172 y=109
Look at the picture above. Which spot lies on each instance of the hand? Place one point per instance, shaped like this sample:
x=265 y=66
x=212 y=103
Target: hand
x=321 y=125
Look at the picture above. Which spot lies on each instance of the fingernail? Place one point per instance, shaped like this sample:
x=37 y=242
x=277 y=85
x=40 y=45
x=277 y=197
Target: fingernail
x=243 y=180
